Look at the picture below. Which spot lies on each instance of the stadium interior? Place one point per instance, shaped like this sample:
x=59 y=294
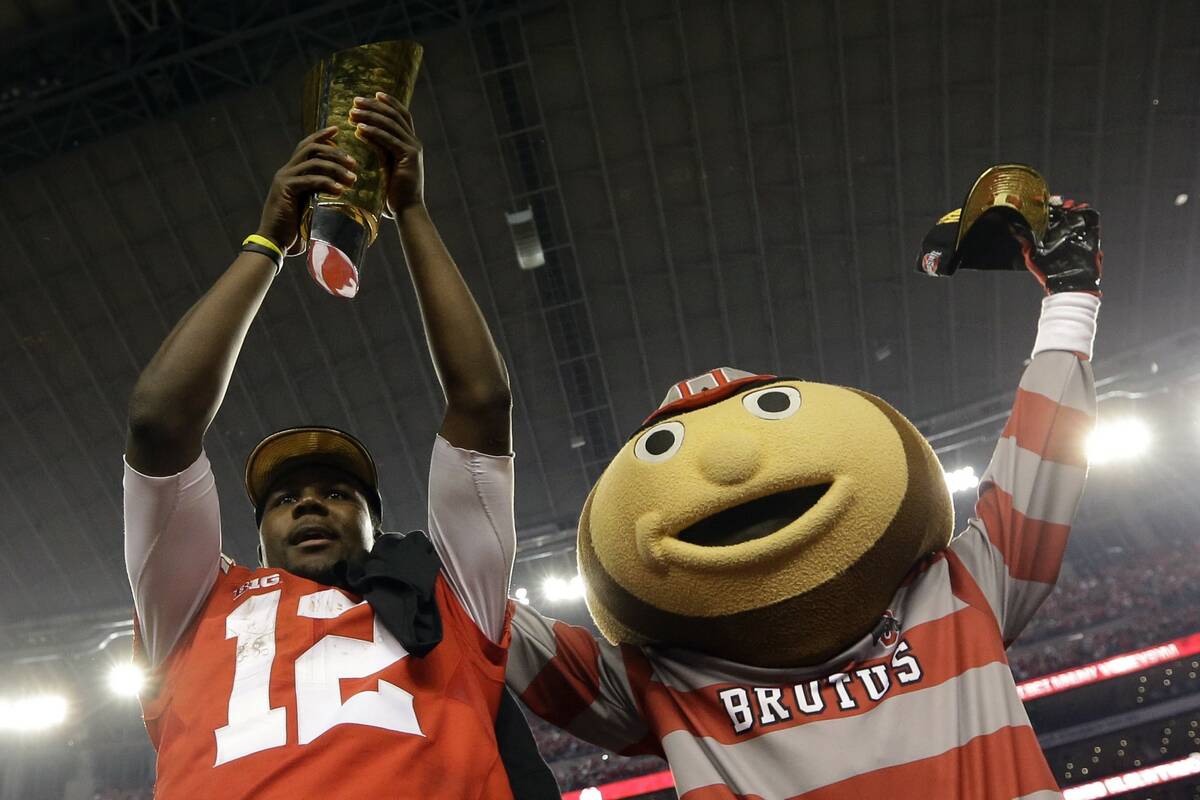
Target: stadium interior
x=711 y=182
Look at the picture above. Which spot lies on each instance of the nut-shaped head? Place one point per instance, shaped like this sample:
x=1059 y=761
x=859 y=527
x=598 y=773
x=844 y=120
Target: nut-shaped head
x=770 y=528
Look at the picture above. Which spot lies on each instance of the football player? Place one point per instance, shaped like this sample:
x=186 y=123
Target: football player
x=281 y=681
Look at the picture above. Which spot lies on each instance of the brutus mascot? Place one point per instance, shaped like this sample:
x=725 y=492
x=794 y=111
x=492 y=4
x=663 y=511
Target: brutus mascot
x=787 y=614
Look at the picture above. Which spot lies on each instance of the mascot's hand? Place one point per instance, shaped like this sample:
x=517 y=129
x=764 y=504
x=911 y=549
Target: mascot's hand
x=1069 y=258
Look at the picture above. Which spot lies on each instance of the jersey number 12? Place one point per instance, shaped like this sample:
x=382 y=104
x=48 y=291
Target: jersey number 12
x=255 y=726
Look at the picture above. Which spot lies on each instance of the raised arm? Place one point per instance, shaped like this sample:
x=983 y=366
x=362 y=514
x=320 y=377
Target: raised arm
x=1014 y=544
x=179 y=392
x=468 y=365
x=471 y=472
x=172 y=514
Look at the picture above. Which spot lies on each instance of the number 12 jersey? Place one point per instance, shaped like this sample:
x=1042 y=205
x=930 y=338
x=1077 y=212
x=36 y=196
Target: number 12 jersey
x=286 y=688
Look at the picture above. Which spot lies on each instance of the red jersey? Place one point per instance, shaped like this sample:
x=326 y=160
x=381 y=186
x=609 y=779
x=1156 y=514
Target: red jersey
x=283 y=688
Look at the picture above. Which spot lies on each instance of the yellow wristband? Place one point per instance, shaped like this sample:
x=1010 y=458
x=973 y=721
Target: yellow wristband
x=264 y=241
x=264 y=246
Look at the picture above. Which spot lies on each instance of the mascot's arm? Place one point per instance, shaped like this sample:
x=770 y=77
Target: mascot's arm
x=584 y=686
x=1014 y=544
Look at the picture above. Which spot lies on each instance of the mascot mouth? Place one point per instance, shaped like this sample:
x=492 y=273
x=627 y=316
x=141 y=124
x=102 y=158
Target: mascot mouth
x=755 y=519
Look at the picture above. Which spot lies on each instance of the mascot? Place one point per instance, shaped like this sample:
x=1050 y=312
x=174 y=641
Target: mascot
x=771 y=562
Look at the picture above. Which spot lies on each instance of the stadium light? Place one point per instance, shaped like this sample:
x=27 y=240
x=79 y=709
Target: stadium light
x=1118 y=440
x=559 y=589
x=33 y=713
x=961 y=480
x=126 y=679
x=521 y=595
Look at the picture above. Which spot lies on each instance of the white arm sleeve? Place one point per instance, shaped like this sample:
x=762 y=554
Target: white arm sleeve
x=472 y=527
x=172 y=550
x=1068 y=322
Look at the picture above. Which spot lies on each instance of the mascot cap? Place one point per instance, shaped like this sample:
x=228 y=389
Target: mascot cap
x=705 y=390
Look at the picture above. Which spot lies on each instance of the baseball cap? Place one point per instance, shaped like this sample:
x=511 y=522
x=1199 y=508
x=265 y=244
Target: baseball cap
x=291 y=447
x=977 y=235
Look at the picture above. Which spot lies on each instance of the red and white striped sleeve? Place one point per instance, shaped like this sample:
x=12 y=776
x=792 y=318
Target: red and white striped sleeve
x=580 y=684
x=1014 y=544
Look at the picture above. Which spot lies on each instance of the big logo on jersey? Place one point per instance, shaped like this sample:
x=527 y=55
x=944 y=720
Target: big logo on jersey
x=749 y=708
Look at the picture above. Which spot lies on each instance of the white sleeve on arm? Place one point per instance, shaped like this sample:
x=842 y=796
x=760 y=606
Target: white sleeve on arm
x=472 y=527
x=172 y=550
x=1068 y=322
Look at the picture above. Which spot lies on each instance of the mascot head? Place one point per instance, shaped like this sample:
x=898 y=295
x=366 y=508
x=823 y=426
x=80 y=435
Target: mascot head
x=759 y=519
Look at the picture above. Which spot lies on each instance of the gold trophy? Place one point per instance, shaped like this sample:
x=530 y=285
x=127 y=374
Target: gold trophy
x=982 y=233
x=338 y=229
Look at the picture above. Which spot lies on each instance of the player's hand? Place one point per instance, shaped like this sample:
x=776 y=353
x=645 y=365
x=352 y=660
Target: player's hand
x=315 y=166
x=382 y=121
x=1069 y=258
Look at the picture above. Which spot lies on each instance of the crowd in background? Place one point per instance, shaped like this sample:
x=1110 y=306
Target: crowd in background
x=1111 y=604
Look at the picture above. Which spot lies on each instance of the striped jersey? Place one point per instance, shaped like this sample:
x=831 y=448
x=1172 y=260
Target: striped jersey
x=923 y=707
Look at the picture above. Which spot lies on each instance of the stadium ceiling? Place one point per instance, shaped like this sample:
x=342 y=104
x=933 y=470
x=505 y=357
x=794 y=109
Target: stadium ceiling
x=84 y=71
x=713 y=182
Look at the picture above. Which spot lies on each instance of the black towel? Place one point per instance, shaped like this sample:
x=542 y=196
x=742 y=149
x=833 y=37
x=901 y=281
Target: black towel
x=397 y=579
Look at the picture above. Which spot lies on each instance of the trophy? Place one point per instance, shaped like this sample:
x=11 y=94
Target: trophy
x=1008 y=202
x=338 y=229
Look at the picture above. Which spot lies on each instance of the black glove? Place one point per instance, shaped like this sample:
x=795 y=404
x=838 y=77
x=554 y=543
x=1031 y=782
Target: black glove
x=1069 y=258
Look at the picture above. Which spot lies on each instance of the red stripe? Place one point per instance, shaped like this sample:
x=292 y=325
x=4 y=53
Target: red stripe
x=1032 y=548
x=1055 y=432
x=999 y=766
x=944 y=648
x=1113 y=667
x=637 y=672
x=570 y=682
x=630 y=787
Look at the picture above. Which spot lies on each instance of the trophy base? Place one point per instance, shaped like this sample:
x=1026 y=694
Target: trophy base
x=336 y=246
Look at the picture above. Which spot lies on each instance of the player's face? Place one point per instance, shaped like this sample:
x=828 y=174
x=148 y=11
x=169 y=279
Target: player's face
x=315 y=516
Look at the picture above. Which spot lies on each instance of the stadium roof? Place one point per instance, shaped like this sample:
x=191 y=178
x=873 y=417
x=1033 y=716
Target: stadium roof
x=714 y=183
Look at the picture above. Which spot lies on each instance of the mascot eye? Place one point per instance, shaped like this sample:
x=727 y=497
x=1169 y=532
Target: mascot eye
x=777 y=402
x=660 y=442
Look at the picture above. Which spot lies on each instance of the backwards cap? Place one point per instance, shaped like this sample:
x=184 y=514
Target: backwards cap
x=292 y=447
